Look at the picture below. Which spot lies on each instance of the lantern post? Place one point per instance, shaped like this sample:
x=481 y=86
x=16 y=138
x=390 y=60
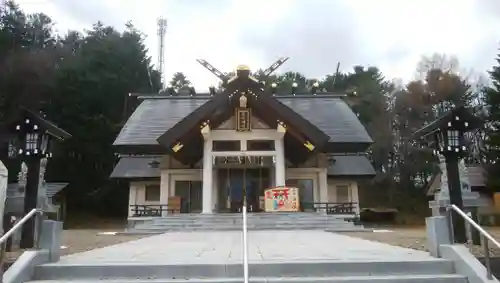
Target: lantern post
x=31 y=140
x=447 y=137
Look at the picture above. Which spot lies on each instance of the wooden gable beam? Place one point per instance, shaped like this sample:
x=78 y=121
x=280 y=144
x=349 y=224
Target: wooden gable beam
x=296 y=134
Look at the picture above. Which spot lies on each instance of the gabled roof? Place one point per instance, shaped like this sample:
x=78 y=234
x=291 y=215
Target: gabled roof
x=156 y=115
x=221 y=106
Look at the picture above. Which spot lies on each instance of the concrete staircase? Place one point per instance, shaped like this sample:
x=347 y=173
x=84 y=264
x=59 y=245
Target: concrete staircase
x=397 y=271
x=256 y=221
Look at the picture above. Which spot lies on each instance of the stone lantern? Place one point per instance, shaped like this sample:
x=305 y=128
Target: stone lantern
x=30 y=140
x=447 y=137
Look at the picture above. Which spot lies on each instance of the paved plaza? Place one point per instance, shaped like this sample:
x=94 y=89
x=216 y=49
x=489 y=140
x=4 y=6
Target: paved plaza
x=226 y=247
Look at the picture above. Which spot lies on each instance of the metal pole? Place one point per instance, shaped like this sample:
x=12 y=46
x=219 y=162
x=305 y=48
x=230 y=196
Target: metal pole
x=487 y=262
x=245 y=236
x=2 y=261
x=455 y=190
x=3 y=195
x=30 y=202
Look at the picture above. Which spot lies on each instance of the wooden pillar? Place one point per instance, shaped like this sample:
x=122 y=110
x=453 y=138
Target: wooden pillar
x=207 y=177
x=280 y=162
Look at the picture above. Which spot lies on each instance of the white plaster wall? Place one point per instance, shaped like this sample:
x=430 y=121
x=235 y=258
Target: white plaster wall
x=353 y=190
x=137 y=190
x=137 y=194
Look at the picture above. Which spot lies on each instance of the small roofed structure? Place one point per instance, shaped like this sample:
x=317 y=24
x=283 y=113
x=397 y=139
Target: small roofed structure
x=15 y=198
x=475 y=175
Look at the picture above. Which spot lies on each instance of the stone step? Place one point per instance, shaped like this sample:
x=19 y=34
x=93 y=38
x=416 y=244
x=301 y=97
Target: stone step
x=236 y=228
x=144 y=271
x=161 y=231
x=255 y=225
x=239 y=223
x=158 y=231
x=239 y=217
x=258 y=215
x=164 y=225
x=249 y=219
x=445 y=278
x=345 y=224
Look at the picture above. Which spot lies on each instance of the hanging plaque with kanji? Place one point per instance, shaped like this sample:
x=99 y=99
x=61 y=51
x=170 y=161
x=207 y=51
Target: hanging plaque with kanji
x=243 y=120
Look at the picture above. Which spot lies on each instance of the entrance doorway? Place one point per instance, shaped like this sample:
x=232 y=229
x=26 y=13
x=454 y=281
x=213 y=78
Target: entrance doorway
x=191 y=195
x=235 y=183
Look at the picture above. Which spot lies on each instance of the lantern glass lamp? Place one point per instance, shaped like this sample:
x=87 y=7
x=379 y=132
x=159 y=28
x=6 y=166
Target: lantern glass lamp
x=274 y=86
x=192 y=90
x=314 y=88
x=451 y=138
x=29 y=140
x=294 y=88
x=212 y=90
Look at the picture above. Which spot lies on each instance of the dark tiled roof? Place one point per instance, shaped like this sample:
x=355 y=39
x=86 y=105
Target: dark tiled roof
x=135 y=167
x=351 y=165
x=155 y=116
x=331 y=115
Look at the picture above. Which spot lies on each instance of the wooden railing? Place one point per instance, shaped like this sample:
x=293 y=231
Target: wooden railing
x=142 y=210
x=156 y=210
x=331 y=207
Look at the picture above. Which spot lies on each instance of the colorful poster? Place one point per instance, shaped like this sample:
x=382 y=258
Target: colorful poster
x=281 y=199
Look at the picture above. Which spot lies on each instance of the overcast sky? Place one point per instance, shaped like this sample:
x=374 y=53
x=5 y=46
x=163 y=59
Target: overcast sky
x=315 y=34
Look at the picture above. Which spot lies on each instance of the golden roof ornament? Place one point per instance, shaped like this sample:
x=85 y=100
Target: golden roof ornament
x=242 y=68
x=242 y=71
x=243 y=101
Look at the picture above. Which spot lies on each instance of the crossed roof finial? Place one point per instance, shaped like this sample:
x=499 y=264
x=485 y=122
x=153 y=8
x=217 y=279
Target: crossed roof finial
x=224 y=77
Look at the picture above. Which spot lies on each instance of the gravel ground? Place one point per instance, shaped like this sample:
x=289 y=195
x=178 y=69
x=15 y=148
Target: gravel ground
x=415 y=238
x=80 y=240
x=83 y=240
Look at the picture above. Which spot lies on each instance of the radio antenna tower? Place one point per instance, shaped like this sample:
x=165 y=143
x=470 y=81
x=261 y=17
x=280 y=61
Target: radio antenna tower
x=162 y=30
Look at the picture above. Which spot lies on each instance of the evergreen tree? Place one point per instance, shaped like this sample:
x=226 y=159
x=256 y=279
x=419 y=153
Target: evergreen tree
x=492 y=101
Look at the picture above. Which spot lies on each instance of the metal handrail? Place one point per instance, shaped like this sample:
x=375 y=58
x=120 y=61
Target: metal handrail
x=486 y=236
x=245 y=241
x=19 y=224
x=12 y=230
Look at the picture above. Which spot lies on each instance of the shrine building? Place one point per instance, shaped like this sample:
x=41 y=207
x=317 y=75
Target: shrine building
x=202 y=153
